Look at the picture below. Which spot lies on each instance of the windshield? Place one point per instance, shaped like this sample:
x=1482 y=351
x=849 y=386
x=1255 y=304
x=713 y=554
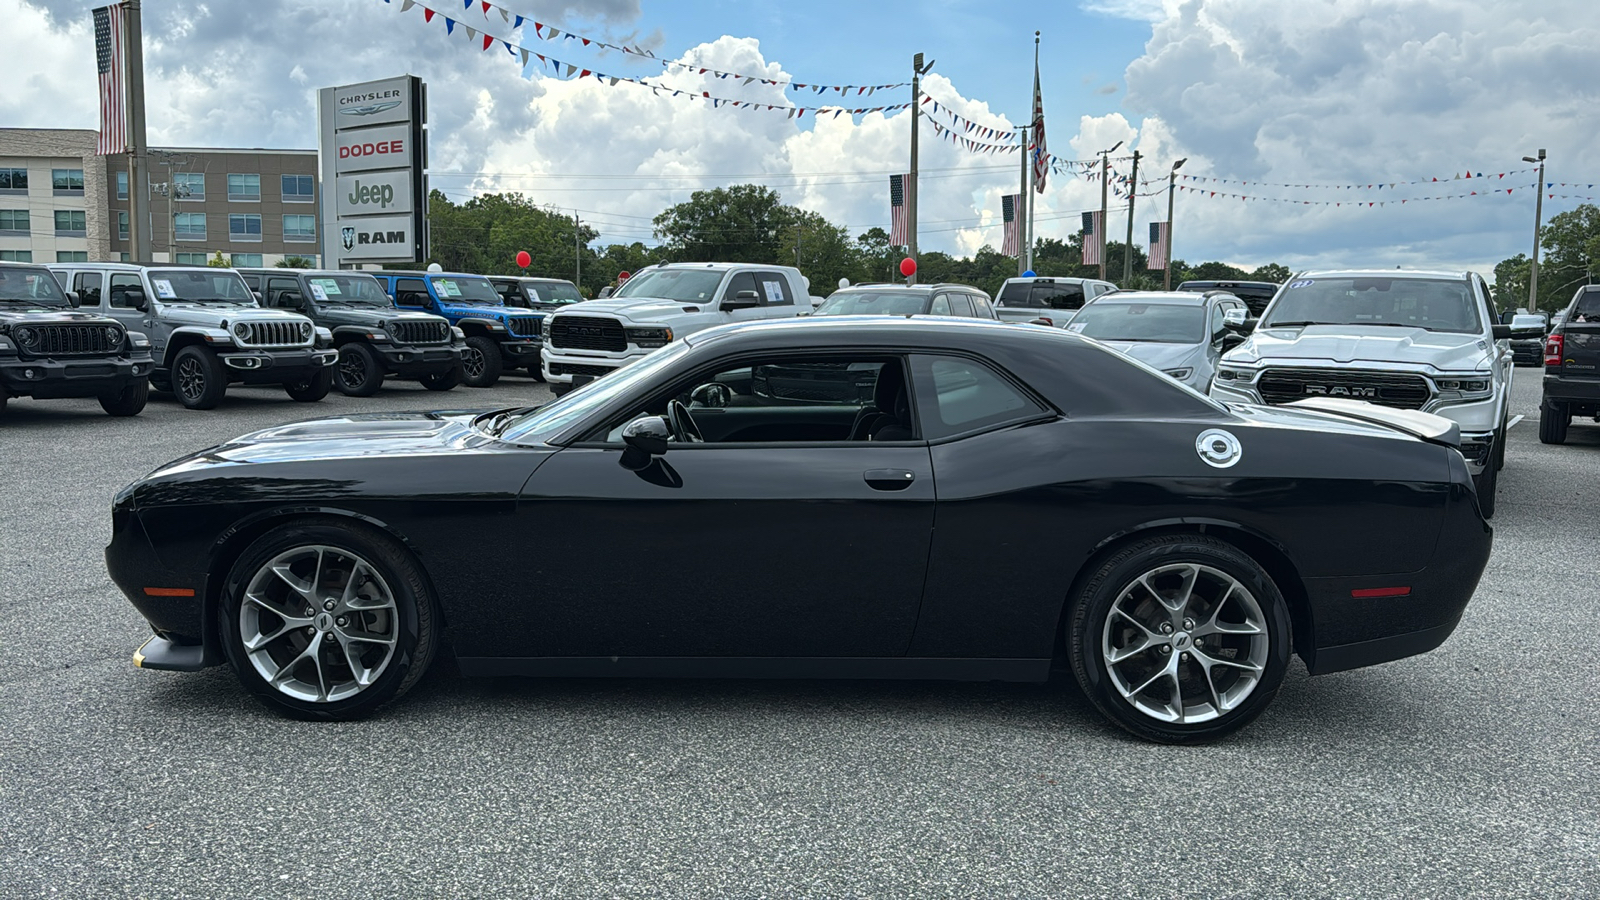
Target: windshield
x=864 y=303
x=1167 y=323
x=551 y=292
x=1432 y=304
x=359 y=290
x=201 y=285
x=35 y=286
x=546 y=421
x=1040 y=295
x=682 y=285
x=465 y=290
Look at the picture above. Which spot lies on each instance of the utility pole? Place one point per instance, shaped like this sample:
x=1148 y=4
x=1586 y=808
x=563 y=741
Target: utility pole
x=577 y=251
x=1172 y=188
x=139 y=224
x=1022 y=196
x=1127 y=249
x=917 y=71
x=1538 y=219
x=1105 y=182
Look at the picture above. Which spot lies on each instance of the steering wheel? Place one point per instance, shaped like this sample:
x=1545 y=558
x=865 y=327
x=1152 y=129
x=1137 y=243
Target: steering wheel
x=684 y=430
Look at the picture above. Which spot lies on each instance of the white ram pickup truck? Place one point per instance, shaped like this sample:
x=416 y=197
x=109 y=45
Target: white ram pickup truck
x=658 y=305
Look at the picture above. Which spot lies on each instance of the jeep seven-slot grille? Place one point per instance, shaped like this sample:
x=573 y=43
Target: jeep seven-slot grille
x=587 y=333
x=523 y=326
x=421 y=332
x=69 y=340
x=268 y=334
x=1384 y=388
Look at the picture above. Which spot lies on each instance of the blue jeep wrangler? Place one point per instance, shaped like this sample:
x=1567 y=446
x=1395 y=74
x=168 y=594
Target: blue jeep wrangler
x=498 y=336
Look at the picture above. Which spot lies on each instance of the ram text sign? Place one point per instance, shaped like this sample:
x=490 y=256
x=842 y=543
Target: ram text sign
x=375 y=238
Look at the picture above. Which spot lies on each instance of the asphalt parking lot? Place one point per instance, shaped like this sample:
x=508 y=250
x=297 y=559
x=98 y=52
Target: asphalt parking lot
x=1470 y=771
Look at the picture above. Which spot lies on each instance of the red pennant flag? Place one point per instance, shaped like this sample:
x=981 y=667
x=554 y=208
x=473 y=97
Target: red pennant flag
x=584 y=74
x=487 y=41
x=705 y=93
x=427 y=14
x=702 y=71
x=586 y=42
x=538 y=28
x=486 y=6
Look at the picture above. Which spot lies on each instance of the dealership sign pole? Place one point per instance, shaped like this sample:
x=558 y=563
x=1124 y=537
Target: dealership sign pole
x=372 y=153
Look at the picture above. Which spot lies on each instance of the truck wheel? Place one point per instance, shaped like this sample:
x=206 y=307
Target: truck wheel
x=536 y=372
x=127 y=402
x=560 y=389
x=312 y=389
x=480 y=362
x=359 y=372
x=1553 y=421
x=1487 y=484
x=4 y=396
x=442 y=381
x=198 y=378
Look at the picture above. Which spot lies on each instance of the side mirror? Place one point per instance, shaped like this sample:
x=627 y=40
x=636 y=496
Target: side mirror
x=294 y=300
x=1233 y=318
x=74 y=300
x=1231 y=340
x=742 y=300
x=1500 y=332
x=136 y=299
x=646 y=438
x=257 y=295
x=1247 y=326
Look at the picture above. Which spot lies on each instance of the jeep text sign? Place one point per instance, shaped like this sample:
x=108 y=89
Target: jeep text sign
x=374 y=192
x=375 y=238
x=388 y=147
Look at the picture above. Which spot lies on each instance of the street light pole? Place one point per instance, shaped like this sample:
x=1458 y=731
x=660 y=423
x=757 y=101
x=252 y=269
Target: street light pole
x=1172 y=189
x=1127 y=250
x=1538 y=218
x=917 y=71
x=1105 y=179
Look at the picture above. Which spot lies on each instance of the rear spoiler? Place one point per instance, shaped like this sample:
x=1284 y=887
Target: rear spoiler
x=1427 y=426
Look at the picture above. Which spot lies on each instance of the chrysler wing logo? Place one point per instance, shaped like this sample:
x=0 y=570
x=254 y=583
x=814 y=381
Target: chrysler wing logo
x=371 y=109
x=1339 y=390
x=347 y=234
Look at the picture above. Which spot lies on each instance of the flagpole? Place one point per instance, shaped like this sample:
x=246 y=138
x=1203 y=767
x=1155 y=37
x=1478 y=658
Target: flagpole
x=139 y=227
x=917 y=71
x=1172 y=189
x=1028 y=151
x=1022 y=195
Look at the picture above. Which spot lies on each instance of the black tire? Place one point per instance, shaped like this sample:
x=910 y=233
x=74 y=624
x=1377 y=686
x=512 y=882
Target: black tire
x=359 y=371
x=313 y=388
x=442 y=381
x=536 y=372
x=1500 y=446
x=1116 y=577
x=480 y=362
x=1553 y=421
x=129 y=401
x=413 y=621
x=199 y=380
x=1488 y=485
x=5 y=395
x=160 y=383
x=560 y=388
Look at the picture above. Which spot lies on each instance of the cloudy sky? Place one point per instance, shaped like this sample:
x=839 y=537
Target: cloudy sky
x=1313 y=100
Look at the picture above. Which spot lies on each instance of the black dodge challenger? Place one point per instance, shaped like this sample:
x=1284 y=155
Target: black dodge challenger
x=855 y=498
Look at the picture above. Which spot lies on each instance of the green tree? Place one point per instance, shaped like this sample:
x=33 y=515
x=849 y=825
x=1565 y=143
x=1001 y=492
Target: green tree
x=219 y=261
x=1271 y=272
x=296 y=262
x=1511 y=282
x=1572 y=255
x=1217 y=271
x=743 y=223
x=823 y=252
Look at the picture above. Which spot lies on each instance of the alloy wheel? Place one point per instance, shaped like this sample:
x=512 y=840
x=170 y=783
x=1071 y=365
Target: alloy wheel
x=352 y=368
x=1185 y=643
x=318 y=623
x=472 y=362
x=190 y=379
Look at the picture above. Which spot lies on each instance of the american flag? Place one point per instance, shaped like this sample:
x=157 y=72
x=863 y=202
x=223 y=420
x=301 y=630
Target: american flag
x=1041 y=158
x=899 y=233
x=109 y=62
x=1011 y=216
x=1094 y=239
x=1158 y=246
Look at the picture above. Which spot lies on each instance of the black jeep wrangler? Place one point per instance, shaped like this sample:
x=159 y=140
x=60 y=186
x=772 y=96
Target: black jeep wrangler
x=50 y=351
x=1572 y=367
x=375 y=339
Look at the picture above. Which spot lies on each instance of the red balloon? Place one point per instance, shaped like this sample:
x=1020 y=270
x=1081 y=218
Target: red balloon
x=523 y=259
x=908 y=267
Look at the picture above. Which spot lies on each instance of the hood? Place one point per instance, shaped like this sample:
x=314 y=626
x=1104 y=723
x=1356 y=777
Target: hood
x=213 y=315
x=58 y=315
x=342 y=437
x=332 y=316
x=1157 y=355
x=468 y=311
x=638 y=309
x=1433 y=350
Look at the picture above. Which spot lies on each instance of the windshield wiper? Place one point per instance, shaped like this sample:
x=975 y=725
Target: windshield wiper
x=1293 y=324
x=31 y=301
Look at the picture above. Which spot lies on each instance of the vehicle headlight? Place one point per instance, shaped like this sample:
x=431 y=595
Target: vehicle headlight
x=649 y=337
x=305 y=331
x=1464 y=385
x=1236 y=376
x=544 y=328
x=241 y=330
x=1178 y=374
x=27 y=337
x=113 y=335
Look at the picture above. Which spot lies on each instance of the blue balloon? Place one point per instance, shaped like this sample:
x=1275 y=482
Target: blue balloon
x=1029 y=274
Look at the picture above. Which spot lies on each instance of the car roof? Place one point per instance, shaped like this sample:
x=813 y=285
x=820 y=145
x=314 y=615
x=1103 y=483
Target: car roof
x=892 y=286
x=262 y=270
x=1385 y=273
x=1067 y=279
x=133 y=267
x=423 y=274
x=1174 y=298
x=1228 y=283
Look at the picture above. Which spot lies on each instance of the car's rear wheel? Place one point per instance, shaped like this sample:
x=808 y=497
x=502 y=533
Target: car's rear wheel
x=359 y=372
x=480 y=362
x=1553 y=421
x=129 y=401
x=314 y=388
x=1179 y=638
x=327 y=621
x=198 y=379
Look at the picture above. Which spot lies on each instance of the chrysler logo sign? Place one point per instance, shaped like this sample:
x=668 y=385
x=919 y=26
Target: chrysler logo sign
x=371 y=109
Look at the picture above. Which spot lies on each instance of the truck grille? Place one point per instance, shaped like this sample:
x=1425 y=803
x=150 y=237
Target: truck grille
x=587 y=333
x=66 y=340
x=1383 y=388
x=523 y=326
x=420 y=332
x=575 y=369
x=269 y=334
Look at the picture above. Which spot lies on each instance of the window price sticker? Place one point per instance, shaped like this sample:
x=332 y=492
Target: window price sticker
x=164 y=289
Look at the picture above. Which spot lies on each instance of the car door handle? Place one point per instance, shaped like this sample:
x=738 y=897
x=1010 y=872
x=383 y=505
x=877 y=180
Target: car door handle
x=889 y=479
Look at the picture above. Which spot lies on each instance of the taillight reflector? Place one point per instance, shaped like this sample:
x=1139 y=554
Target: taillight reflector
x=1381 y=592
x=1553 y=347
x=169 y=592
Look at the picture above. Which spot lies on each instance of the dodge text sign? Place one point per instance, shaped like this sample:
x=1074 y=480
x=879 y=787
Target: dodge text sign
x=386 y=147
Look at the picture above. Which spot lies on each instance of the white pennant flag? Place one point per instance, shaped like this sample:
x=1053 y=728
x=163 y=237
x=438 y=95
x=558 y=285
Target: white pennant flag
x=570 y=69
x=505 y=16
x=748 y=79
x=613 y=81
x=553 y=35
x=470 y=33
x=407 y=5
x=524 y=56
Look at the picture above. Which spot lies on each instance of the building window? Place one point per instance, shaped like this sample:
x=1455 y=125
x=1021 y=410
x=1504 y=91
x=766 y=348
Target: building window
x=244 y=227
x=189 y=226
x=124 y=257
x=299 y=189
x=122 y=185
x=14 y=222
x=71 y=223
x=122 y=224
x=16 y=256
x=72 y=256
x=189 y=185
x=67 y=182
x=193 y=259
x=299 y=229
x=14 y=181
x=244 y=187
x=245 y=260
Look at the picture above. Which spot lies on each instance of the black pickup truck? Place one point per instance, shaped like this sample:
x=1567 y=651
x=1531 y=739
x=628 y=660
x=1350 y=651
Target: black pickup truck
x=1572 y=367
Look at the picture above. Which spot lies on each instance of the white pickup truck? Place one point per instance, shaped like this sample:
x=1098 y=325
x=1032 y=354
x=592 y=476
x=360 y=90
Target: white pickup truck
x=658 y=305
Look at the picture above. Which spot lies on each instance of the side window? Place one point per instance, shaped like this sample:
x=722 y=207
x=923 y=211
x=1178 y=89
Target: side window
x=940 y=306
x=87 y=284
x=960 y=305
x=981 y=308
x=744 y=281
x=410 y=292
x=1058 y=296
x=279 y=291
x=774 y=289
x=956 y=395
x=1218 y=319
x=119 y=288
x=251 y=280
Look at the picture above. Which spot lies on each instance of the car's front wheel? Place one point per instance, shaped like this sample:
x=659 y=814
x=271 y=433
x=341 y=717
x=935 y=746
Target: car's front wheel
x=129 y=401
x=359 y=372
x=198 y=378
x=314 y=388
x=1179 y=638
x=327 y=621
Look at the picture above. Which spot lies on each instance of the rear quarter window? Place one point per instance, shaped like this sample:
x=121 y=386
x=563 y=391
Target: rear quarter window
x=958 y=395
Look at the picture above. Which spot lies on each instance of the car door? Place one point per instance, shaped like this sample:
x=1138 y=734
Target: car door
x=792 y=542
x=119 y=307
x=411 y=293
x=88 y=285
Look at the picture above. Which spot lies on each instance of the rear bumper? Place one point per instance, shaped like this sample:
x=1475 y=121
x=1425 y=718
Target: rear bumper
x=55 y=379
x=1562 y=389
x=414 y=362
x=277 y=366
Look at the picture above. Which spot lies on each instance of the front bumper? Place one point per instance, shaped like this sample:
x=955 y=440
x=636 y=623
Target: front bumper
x=417 y=361
x=55 y=379
x=559 y=366
x=174 y=603
x=277 y=366
x=521 y=351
